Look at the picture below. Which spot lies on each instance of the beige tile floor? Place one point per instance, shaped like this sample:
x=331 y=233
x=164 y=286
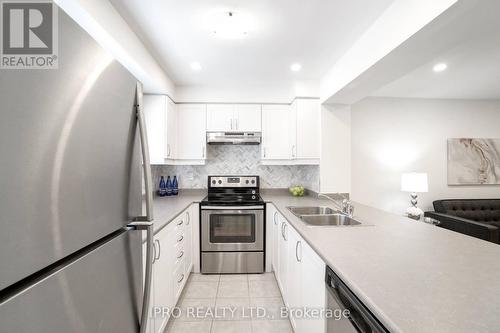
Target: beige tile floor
x=228 y=303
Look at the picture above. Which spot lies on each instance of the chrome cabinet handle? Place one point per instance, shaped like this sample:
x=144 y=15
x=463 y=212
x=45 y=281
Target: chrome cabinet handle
x=231 y=123
x=237 y=124
x=145 y=155
x=264 y=151
x=275 y=218
x=188 y=218
x=182 y=278
x=294 y=150
x=148 y=227
x=203 y=152
x=168 y=149
x=159 y=249
x=154 y=252
x=297 y=252
x=284 y=231
x=181 y=222
x=180 y=256
x=180 y=239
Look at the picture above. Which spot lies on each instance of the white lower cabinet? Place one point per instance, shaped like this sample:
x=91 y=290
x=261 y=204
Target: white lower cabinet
x=300 y=273
x=172 y=265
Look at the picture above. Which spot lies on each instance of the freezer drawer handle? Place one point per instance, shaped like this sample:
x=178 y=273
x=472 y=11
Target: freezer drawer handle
x=148 y=182
x=148 y=227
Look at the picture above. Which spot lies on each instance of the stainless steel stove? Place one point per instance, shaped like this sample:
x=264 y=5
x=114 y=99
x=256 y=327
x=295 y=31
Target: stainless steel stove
x=232 y=226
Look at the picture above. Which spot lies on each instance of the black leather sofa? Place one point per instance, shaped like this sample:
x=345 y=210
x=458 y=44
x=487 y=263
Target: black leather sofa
x=478 y=218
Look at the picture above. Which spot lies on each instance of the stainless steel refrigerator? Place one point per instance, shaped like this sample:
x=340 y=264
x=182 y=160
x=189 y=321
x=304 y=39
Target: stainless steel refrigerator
x=73 y=154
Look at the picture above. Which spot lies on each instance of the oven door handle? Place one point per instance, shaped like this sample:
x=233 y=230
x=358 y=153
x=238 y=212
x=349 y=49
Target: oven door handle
x=231 y=207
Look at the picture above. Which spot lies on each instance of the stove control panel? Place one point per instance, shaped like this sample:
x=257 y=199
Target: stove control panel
x=233 y=181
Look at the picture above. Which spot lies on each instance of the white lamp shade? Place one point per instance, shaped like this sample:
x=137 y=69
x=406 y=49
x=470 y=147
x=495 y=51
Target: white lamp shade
x=414 y=182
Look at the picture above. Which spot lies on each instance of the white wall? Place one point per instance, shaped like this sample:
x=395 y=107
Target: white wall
x=390 y=136
x=101 y=20
x=247 y=93
x=335 y=165
x=401 y=20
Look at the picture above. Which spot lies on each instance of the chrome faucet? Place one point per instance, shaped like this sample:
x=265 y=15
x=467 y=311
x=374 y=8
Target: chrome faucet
x=347 y=207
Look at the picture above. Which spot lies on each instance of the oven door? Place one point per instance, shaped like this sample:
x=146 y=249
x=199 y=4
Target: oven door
x=232 y=228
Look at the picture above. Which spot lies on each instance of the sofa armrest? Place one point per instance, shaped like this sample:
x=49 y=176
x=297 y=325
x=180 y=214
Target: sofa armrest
x=468 y=227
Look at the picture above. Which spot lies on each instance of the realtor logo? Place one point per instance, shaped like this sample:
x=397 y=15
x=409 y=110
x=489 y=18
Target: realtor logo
x=29 y=34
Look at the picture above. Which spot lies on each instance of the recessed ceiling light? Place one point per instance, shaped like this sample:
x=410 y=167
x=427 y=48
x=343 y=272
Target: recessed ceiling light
x=228 y=24
x=296 y=67
x=195 y=66
x=439 y=67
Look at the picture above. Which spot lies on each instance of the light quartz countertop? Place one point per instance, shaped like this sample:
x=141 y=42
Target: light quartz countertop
x=166 y=209
x=415 y=277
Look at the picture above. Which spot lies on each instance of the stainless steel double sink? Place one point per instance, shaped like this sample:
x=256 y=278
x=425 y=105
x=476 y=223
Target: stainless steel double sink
x=322 y=216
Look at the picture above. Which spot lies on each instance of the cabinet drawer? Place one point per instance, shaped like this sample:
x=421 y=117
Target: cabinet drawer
x=179 y=223
x=179 y=254
x=179 y=238
x=179 y=278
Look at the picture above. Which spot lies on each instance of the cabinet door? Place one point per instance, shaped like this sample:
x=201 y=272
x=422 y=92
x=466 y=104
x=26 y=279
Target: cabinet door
x=188 y=234
x=276 y=235
x=271 y=241
x=150 y=324
x=294 y=278
x=275 y=132
x=195 y=232
x=313 y=291
x=292 y=123
x=283 y=259
x=220 y=117
x=307 y=129
x=191 y=137
x=155 y=113
x=248 y=117
x=163 y=296
x=171 y=126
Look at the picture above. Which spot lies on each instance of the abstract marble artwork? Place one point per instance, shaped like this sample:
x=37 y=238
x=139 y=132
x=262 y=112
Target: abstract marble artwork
x=473 y=161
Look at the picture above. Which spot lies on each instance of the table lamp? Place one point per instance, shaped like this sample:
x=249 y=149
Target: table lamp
x=414 y=182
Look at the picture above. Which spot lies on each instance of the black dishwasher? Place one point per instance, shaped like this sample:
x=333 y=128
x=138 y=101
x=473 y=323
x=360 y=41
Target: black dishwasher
x=357 y=318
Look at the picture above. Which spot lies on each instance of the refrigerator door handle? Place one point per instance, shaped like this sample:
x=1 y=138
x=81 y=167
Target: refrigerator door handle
x=148 y=227
x=145 y=156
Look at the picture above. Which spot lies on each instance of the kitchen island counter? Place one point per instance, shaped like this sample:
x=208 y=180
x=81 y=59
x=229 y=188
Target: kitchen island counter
x=415 y=277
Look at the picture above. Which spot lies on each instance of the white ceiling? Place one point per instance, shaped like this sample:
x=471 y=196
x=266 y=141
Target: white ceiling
x=472 y=56
x=314 y=33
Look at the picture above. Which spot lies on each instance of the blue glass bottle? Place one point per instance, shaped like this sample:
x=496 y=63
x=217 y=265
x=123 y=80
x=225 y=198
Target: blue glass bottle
x=175 y=186
x=169 y=186
x=162 y=188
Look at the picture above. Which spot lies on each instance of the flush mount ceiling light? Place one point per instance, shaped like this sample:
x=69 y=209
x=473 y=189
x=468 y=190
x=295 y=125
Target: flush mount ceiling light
x=439 y=67
x=228 y=24
x=195 y=66
x=296 y=67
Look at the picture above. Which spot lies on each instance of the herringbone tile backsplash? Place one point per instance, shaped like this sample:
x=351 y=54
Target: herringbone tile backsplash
x=239 y=160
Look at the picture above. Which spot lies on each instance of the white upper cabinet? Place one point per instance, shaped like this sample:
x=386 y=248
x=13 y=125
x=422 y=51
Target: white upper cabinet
x=155 y=114
x=191 y=137
x=233 y=117
x=276 y=133
x=248 y=117
x=291 y=134
x=306 y=141
x=161 y=124
x=220 y=117
x=171 y=137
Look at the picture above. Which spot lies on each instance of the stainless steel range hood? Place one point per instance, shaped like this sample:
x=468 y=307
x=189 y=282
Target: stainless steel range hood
x=233 y=138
